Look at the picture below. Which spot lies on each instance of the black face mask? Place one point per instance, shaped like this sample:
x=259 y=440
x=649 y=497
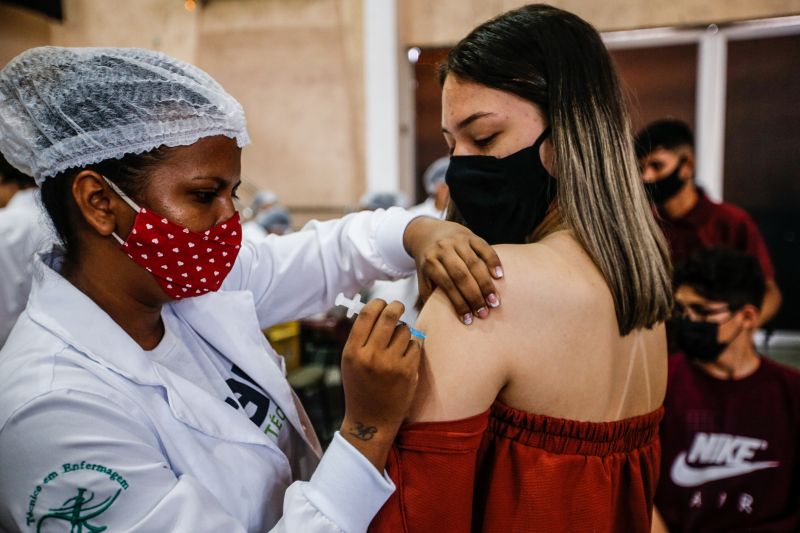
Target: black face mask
x=698 y=340
x=502 y=200
x=662 y=190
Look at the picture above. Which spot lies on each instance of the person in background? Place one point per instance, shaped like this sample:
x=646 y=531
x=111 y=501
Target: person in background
x=263 y=201
x=274 y=221
x=436 y=187
x=13 y=182
x=22 y=233
x=688 y=218
x=382 y=200
x=730 y=437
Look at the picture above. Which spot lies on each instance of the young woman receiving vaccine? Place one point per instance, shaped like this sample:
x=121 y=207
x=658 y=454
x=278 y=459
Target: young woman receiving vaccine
x=546 y=417
x=137 y=392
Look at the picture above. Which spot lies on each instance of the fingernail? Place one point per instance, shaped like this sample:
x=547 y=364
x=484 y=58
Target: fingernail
x=493 y=300
x=467 y=319
x=482 y=312
x=498 y=272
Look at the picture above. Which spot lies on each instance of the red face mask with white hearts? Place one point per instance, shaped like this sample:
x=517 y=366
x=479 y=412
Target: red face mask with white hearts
x=185 y=263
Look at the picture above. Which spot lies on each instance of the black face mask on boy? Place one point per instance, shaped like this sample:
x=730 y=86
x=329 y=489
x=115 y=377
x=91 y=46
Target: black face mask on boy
x=698 y=340
x=502 y=200
x=662 y=190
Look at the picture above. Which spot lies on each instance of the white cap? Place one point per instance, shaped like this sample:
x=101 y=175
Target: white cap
x=63 y=108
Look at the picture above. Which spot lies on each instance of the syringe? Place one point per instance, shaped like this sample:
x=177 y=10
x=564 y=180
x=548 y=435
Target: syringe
x=355 y=305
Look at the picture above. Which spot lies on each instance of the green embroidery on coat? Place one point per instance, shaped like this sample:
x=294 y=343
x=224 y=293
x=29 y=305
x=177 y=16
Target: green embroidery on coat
x=76 y=511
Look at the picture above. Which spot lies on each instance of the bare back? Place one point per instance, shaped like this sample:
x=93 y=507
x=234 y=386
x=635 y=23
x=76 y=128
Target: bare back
x=552 y=348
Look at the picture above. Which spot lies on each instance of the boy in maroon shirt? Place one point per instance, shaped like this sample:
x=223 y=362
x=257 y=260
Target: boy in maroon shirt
x=730 y=436
x=689 y=219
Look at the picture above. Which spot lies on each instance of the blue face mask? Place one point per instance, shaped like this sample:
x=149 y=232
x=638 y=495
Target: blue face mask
x=502 y=200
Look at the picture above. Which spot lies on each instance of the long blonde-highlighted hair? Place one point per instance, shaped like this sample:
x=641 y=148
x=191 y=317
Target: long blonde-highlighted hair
x=558 y=61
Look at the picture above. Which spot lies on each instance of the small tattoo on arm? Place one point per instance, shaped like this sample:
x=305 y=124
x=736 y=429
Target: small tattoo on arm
x=362 y=432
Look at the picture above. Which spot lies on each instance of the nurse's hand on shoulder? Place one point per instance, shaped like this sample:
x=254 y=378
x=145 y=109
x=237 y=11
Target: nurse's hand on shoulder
x=380 y=367
x=450 y=256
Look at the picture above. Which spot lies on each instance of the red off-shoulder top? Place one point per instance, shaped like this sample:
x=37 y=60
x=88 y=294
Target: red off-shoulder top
x=506 y=471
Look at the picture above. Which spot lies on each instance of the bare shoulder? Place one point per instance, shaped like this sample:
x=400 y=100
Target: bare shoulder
x=553 y=282
x=461 y=371
x=465 y=367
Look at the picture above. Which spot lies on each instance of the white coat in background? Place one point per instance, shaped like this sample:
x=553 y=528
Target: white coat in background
x=92 y=431
x=252 y=231
x=23 y=232
x=427 y=208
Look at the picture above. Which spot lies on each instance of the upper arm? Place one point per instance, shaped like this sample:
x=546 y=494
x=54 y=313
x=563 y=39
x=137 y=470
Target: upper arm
x=463 y=367
x=79 y=451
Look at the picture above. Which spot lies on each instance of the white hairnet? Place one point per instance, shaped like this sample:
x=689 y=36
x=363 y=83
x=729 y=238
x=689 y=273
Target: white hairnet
x=276 y=217
x=263 y=198
x=383 y=200
x=63 y=108
x=435 y=173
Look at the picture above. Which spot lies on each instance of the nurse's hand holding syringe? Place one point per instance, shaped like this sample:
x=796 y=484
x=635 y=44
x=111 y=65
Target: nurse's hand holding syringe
x=354 y=306
x=380 y=371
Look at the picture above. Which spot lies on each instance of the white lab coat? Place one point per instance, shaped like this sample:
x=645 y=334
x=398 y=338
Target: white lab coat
x=23 y=231
x=406 y=290
x=89 y=424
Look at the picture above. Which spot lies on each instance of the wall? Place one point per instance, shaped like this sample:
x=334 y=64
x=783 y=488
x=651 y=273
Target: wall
x=158 y=24
x=444 y=22
x=20 y=29
x=296 y=67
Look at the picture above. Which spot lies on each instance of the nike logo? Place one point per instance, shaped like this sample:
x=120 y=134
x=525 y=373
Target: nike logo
x=685 y=475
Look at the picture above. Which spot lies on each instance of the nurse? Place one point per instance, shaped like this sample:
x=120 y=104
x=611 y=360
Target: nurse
x=137 y=392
